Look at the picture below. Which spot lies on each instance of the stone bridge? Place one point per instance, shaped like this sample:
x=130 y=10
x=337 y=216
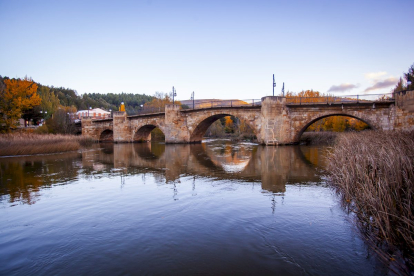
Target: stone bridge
x=274 y=122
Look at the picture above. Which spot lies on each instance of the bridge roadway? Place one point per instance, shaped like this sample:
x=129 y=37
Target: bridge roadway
x=274 y=122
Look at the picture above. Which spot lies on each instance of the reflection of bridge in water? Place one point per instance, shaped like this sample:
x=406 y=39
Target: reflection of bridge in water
x=273 y=167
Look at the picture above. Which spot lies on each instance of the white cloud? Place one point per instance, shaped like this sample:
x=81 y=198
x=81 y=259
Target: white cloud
x=375 y=76
x=391 y=81
x=342 y=87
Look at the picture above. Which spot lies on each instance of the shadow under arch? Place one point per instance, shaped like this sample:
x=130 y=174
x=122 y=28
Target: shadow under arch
x=143 y=134
x=197 y=135
x=106 y=136
x=303 y=129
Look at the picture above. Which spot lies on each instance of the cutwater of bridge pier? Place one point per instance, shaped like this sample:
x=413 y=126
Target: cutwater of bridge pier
x=275 y=121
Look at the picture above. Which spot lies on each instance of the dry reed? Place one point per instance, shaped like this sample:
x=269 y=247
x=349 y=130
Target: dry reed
x=373 y=171
x=30 y=143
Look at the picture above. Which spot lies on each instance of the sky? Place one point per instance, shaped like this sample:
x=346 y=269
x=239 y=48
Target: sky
x=218 y=49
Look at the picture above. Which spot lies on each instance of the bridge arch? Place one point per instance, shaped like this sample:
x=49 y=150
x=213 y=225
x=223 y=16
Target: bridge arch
x=299 y=131
x=201 y=125
x=106 y=136
x=143 y=133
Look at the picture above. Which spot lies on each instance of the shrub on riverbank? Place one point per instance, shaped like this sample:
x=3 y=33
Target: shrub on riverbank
x=374 y=173
x=30 y=143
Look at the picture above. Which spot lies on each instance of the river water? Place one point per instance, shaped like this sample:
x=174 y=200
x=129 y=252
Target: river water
x=216 y=208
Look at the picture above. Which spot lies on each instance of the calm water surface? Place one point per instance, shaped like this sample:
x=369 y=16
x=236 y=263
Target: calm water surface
x=217 y=208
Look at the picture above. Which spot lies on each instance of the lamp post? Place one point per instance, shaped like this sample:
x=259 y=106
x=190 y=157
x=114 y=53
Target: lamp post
x=43 y=116
x=89 y=109
x=174 y=93
x=192 y=98
x=274 y=85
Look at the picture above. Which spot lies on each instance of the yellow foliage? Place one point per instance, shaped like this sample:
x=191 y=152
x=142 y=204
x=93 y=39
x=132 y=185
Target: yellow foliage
x=229 y=121
x=17 y=97
x=160 y=100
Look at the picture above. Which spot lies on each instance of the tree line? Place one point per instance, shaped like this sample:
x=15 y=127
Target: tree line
x=34 y=102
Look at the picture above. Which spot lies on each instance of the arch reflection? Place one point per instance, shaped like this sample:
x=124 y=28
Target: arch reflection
x=273 y=167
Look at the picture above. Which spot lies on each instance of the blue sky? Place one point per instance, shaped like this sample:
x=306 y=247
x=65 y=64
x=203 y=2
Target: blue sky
x=219 y=49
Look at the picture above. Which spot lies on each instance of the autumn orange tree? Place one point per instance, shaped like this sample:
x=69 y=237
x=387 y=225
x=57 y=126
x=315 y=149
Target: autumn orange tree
x=17 y=96
x=160 y=100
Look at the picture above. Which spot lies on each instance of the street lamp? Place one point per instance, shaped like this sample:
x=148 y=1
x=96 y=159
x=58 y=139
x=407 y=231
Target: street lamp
x=43 y=116
x=174 y=93
x=89 y=109
x=192 y=97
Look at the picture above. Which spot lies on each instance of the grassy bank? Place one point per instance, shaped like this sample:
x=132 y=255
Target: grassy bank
x=30 y=143
x=373 y=171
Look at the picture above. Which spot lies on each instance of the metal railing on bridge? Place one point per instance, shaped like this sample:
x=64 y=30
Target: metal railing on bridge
x=202 y=104
x=290 y=100
x=364 y=98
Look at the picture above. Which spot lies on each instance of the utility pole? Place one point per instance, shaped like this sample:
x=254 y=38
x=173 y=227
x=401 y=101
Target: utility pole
x=192 y=97
x=283 y=90
x=174 y=94
x=274 y=85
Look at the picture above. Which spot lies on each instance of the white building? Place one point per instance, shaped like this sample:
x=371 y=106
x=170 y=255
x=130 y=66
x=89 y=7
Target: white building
x=96 y=113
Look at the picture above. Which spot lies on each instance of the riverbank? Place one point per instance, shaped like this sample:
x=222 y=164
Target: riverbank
x=30 y=143
x=373 y=172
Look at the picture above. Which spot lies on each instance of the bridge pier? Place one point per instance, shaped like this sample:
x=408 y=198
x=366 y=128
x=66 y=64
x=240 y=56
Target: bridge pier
x=121 y=127
x=275 y=122
x=176 y=129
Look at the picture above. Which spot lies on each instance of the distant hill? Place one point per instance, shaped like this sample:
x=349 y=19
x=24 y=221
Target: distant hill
x=207 y=103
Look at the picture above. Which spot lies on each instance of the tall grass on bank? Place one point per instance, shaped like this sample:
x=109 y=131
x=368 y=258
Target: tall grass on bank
x=30 y=143
x=373 y=171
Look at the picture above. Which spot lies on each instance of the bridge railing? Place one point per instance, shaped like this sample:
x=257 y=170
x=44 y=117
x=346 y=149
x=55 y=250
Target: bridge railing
x=150 y=110
x=331 y=99
x=222 y=103
x=202 y=105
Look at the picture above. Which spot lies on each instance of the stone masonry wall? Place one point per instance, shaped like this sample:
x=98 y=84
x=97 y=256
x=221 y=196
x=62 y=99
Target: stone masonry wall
x=199 y=121
x=121 y=127
x=300 y=117
x=404 y=119
x=93 y=129
x=275 y=121
x=176 y=130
